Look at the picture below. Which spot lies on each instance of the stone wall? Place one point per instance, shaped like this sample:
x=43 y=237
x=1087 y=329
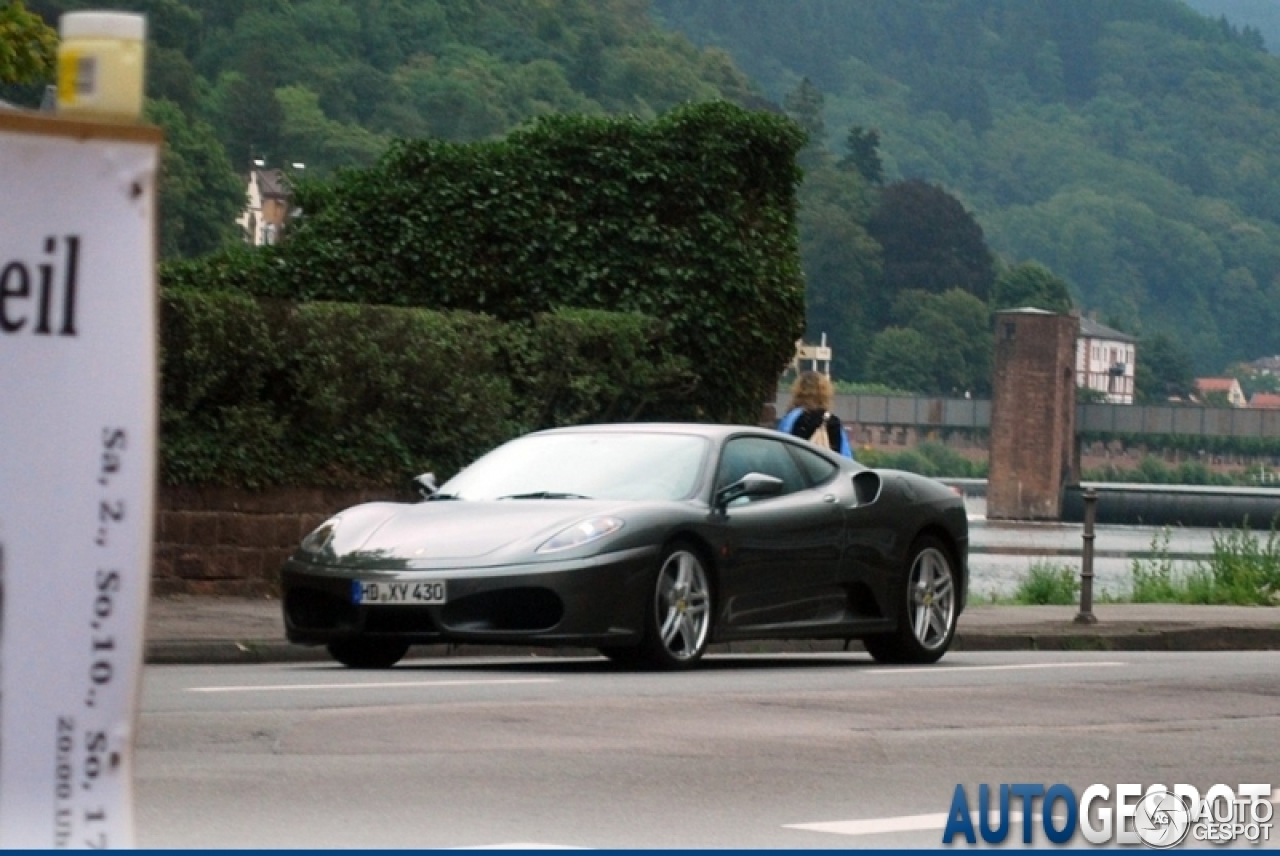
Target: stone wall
x=221 y=541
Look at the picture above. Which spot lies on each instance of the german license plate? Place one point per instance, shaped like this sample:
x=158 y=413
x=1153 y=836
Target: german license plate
x=397 y=593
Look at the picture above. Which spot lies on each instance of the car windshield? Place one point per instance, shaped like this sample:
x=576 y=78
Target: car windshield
x=585 y=465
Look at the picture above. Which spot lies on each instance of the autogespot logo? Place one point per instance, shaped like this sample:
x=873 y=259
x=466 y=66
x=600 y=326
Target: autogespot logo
x=1156 y=816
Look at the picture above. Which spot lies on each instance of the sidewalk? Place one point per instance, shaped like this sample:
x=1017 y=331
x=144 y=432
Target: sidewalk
x=189 y=629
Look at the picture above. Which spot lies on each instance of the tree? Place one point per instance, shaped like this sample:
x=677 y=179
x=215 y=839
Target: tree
x=863 y=145
x=942 y=348
x=1162 y=370
x=28 y=46
x=1030 y=284
x=841 y=265
x=200 y=195
x=805 y=105
x=930 y=243
x=902 y=359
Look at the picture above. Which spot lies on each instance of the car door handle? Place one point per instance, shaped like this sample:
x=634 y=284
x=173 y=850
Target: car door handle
x=831 y=497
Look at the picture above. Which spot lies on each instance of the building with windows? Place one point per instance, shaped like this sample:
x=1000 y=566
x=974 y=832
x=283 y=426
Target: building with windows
x=1225 y=388
x=267 y=210
x=1105 y=360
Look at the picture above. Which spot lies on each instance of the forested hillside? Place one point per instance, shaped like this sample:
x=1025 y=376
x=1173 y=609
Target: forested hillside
x=1262 y=16
x=328 y=83
x=1131 y=147
x=1119 y=155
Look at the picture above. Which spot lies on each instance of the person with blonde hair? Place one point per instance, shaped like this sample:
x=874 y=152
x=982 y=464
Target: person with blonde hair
x=810 y=415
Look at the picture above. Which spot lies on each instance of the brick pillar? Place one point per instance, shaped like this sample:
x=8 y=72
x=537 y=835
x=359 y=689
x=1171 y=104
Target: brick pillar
x=1033 y=407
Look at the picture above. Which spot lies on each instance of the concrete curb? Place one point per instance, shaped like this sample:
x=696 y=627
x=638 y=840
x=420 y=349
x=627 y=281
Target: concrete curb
x=1055 y=638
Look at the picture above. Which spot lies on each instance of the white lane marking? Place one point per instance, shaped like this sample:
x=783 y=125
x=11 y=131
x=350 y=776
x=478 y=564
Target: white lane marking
x=369 y=686
x=1006 y=668
x=905 y=823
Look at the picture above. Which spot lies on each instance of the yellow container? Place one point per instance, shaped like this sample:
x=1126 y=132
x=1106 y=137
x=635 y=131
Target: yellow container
x=101 y=57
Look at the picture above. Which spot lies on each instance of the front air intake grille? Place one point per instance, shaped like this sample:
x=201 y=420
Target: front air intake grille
x=309 y=609
x=516 y=609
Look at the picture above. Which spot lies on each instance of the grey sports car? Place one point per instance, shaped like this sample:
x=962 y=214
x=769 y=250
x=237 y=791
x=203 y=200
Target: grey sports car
x=646 y=541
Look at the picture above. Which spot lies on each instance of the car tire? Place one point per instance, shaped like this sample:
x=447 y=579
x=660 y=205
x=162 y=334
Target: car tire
x=680 y=611
x=368 y=653
x=927 y=609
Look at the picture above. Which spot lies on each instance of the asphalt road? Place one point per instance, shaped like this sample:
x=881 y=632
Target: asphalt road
x=800 y=751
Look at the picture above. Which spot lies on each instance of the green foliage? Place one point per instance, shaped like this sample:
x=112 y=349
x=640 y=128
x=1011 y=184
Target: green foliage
x=28 y=47
x=932 y=459
x=841 y=264
x=1152 y=470
x=1132 y=148
x=1242 y=570
x=1163 y=370
x=1030 y=284
x=944 y=347
x=329 y=83
x=576 y=366
x=901 y=357
x=690 y=218
x=1154 y=580
x=1048 y=584
x=845 y=387
x=1195 y=444
x=257 y=393
x=931 y=242
x=199 y=196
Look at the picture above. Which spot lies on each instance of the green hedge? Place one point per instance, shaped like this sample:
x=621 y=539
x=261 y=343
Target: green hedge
x=690 y=218
x=257 y=393
x=1193 y=443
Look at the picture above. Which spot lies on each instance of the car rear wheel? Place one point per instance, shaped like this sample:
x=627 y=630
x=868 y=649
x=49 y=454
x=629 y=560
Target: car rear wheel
x=368 y=653
x=678 y=617
x=928 y=610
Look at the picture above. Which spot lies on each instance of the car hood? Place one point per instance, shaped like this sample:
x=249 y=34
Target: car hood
x=448 y=531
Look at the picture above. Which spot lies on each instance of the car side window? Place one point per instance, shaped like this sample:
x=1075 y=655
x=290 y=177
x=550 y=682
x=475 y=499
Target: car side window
x=744 y=455
x=816 y=468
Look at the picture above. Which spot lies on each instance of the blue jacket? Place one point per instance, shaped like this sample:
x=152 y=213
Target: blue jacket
x=788 y=423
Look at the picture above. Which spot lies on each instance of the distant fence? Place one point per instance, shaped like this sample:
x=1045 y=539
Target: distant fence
x=975 y=414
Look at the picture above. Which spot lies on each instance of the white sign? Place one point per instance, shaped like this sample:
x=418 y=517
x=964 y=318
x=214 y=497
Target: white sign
x=77 y=472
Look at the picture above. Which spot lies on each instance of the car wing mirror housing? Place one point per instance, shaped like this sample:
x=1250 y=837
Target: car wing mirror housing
x=752 y=485
x=425 y=485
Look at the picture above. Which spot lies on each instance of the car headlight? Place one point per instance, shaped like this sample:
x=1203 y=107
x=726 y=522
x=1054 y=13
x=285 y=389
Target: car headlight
x=582 y=533
x=321 y=536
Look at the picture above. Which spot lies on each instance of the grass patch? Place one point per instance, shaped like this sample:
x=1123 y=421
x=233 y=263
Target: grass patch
x=1243 y=570
x=1048 y=584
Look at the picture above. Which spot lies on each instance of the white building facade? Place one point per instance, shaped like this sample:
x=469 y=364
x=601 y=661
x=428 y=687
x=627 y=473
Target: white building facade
x=1105 y=361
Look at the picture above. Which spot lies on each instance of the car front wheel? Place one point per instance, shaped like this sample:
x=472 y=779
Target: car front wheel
x=928 y=610
x=678 y=615
x=368 y=653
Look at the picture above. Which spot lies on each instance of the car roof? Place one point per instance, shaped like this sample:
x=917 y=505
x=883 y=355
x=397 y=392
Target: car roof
x=701 y=429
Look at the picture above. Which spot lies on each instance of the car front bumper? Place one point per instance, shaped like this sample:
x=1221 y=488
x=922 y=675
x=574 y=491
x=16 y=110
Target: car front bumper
x=599 y=600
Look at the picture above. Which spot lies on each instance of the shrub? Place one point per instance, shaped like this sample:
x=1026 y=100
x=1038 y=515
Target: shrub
x=1047 y=583
x=1242 y=570
x=258 y=393
x=690 y=219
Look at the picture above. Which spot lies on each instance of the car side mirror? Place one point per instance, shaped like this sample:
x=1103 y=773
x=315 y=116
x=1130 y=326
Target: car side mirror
x=425 y=485
x=752 y=484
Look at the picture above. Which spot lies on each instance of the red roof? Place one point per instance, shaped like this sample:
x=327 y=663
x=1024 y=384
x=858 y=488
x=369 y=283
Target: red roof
x=1269 y=400
x=1215 y=384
